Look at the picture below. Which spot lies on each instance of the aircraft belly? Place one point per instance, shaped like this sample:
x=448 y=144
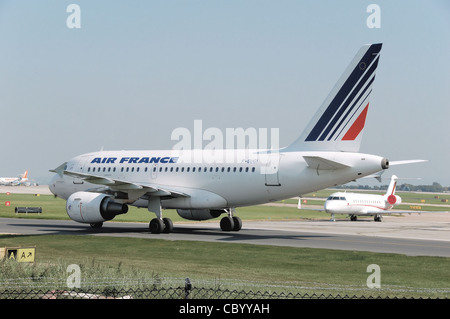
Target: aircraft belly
x=198 y=199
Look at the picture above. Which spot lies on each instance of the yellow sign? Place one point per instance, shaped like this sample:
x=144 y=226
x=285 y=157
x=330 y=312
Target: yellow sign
x=24 y=255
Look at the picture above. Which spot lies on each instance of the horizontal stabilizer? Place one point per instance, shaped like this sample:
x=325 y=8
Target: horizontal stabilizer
x=317 y=162
x=393 y=163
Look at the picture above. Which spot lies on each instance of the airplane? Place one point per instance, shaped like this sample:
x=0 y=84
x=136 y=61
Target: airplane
x=357 y=204
x=14 y=181
x=100 y=185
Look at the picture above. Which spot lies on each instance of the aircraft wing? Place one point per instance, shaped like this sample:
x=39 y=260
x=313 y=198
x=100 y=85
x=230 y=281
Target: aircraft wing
x=124 y=186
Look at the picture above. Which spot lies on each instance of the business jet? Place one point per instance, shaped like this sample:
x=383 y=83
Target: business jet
x=99 y=186
x=14 y=181
x=357 y=204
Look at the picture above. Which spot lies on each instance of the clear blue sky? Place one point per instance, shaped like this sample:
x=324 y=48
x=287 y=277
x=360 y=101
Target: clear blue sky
x=136 y=70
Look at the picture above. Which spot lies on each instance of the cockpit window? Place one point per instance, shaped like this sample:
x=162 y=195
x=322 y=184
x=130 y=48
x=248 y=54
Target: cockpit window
x=336 y=198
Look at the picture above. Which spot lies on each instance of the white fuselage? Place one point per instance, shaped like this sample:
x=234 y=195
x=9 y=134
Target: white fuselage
x=238 y=178
x=357 y=204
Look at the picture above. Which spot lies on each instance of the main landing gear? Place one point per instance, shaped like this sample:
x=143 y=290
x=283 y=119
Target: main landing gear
x=158 y=225
x=377 y=218
x=230 y=222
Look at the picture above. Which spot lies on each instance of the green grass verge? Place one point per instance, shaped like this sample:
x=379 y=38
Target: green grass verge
x=319 y=270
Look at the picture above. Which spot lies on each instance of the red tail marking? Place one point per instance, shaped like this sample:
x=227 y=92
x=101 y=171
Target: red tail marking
x=357 y=126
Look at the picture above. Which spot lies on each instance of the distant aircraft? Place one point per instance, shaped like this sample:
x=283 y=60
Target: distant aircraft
x=98 y=186
x=14 y=181
x=357 y=204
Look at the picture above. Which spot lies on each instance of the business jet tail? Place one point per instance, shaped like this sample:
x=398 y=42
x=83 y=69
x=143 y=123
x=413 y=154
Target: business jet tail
x=338 y=124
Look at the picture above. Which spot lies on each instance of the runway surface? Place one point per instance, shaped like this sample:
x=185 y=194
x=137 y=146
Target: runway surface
x=403 y=235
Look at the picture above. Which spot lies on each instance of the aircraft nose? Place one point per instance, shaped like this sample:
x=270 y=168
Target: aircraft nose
x=329 y=206
x=52 y=185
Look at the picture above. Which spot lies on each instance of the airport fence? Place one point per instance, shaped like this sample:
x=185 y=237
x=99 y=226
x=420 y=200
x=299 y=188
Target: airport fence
x=158 y=289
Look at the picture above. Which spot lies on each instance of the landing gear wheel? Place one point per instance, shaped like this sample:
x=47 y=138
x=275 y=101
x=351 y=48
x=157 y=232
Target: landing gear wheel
x=168 y=225
x=97 y=225
x=353 y=218
x=156 y=226
x=377 y=218
x=227 y=223
x=237 y=223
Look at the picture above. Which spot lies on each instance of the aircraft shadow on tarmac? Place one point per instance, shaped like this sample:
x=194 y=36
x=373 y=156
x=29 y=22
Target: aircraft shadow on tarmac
x=179 y=233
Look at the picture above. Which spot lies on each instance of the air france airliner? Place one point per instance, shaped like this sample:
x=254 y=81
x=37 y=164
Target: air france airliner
x=99 y=186
x=356 y=204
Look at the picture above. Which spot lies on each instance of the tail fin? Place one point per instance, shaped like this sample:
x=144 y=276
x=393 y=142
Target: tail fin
x=390 y=193
x=392 y=186
x=339 y=122
x=25 y=175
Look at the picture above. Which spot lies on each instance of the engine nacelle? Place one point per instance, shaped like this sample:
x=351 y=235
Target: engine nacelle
x=394 y=199
x=85 y=207
x=200 y=214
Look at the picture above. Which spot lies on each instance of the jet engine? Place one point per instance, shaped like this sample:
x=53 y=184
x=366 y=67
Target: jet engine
x=394 y=199
x=92 y=208
x=200 y=214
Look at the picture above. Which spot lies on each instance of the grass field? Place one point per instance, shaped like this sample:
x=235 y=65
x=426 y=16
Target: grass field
x=299 y=269
x=317 y=270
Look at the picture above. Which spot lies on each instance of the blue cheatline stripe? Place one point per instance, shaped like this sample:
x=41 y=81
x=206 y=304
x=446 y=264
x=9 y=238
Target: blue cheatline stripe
x=369 y=56
x=351 y=97
x=347 y=101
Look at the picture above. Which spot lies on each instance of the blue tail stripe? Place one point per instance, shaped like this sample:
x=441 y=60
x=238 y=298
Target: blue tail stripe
x=358 y=89
x=348 y=100
x=349 y=84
